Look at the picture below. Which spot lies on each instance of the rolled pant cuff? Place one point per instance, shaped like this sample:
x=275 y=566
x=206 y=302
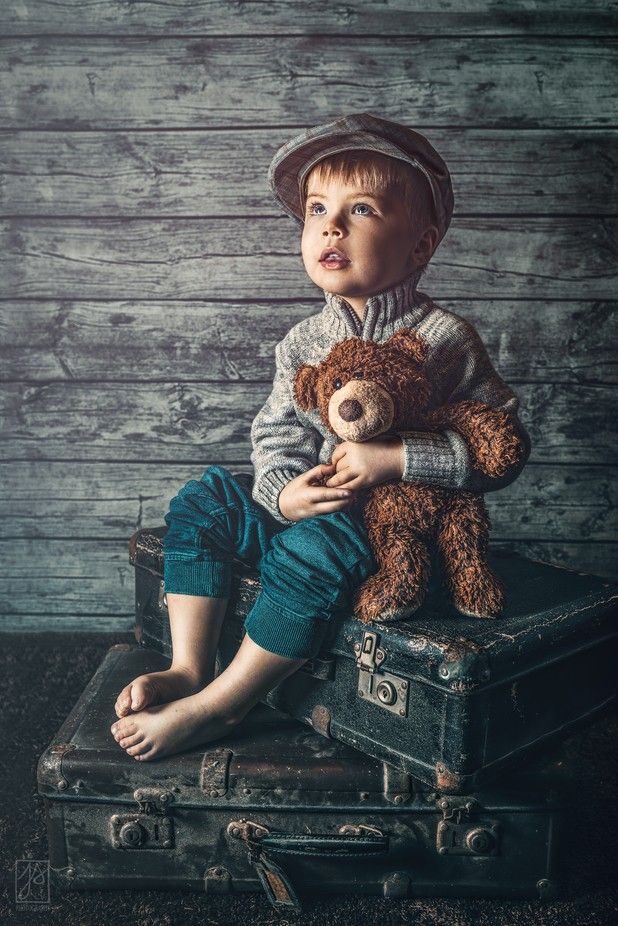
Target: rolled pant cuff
x=186 y=577
x=283 y=633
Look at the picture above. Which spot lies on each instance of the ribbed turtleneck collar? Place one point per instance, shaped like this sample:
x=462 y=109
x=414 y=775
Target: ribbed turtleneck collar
x=381 y=310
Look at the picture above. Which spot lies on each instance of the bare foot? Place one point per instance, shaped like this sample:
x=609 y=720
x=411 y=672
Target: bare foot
x=157 y=688
x=169 y=728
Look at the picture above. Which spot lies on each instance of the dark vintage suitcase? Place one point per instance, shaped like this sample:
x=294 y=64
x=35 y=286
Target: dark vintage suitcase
x=451 y=700
x=275 y=805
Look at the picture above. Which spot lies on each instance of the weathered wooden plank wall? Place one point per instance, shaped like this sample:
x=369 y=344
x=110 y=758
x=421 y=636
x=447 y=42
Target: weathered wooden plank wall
x=146 y=273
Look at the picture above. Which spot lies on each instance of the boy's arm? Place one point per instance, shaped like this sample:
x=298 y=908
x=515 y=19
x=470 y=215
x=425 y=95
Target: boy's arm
x=283 y=447
x=442 y=458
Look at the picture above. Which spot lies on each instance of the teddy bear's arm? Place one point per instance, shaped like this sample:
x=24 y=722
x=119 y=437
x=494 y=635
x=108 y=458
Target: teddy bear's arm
x=462 y=371
x=494 y=440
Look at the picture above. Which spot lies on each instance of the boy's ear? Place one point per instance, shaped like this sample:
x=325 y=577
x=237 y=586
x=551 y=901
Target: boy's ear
x=411 y=342
x=305 y=387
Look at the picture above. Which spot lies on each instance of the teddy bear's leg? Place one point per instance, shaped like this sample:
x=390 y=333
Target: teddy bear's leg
x=398 y=588
x=462 y=539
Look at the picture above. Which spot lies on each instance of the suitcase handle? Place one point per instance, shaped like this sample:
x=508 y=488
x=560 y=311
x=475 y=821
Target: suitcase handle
x=276 y=882
x=324 y=846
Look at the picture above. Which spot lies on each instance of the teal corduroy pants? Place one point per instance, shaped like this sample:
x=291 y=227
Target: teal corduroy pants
x=308 y=570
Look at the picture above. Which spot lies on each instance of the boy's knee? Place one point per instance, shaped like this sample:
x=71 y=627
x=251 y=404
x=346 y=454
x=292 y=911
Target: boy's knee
x=325 y=550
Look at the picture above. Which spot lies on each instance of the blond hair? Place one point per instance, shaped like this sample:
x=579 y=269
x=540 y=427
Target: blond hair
x=378 y=173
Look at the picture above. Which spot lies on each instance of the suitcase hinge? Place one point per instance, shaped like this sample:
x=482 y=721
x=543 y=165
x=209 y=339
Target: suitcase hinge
x=458 y=834
x=382 y=688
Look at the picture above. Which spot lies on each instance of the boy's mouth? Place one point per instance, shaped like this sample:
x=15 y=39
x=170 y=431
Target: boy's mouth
x=333 y=259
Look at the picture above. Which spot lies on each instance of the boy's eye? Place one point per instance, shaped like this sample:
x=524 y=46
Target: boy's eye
x=311 y=208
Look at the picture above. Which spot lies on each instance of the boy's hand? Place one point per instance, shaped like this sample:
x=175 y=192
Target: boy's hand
x=306 y=496
x=367 y=463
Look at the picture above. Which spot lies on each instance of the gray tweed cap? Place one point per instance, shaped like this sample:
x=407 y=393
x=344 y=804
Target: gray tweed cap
x=296 y=157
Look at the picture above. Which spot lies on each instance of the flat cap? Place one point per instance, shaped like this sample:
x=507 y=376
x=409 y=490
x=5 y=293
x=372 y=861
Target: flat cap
x=366 y=132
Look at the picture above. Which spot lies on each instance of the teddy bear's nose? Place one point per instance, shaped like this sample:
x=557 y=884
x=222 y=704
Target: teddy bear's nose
x=350 y=410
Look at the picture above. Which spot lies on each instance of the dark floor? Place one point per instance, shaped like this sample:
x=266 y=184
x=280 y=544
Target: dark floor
x=42 y=677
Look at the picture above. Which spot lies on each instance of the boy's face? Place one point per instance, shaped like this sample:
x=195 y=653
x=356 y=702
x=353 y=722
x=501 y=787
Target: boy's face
x=379 y=241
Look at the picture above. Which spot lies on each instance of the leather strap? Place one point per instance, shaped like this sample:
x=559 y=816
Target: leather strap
x=276 y=882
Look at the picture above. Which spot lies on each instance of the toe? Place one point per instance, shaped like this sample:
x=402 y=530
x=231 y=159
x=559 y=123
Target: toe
x=123 y=728
x=145 y=756
x=142 y=746
x=123 y=702
x=130 y=740
x=141 y=694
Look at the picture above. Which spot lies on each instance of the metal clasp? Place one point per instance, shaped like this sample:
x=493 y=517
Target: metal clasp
x=381 y=688
x=368 y=656
x=458 y=835
x=246 y=830
x=153 y=800
x=148 y=828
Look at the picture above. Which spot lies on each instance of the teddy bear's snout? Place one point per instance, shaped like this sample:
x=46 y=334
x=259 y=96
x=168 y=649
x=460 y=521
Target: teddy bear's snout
x=360 y=410
x=350 y=410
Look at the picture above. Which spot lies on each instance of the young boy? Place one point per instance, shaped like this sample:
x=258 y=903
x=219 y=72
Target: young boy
x=374 y=200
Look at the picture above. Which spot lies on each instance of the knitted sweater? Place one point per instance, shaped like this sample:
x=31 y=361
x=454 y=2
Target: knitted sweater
x=288 y=441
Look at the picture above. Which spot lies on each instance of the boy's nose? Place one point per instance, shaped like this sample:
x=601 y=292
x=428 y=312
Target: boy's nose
x=333 y=223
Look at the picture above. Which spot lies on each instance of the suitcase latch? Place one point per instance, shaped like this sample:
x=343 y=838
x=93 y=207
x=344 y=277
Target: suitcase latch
x=153 y=800
x=148 y=828
x=459 y=834
x=384 y=689
x=368 y=656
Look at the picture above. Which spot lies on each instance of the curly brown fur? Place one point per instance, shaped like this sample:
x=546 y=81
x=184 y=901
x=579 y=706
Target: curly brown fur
x=395 y=366
x=494 y=444
x=363 y=389
x=462 y=538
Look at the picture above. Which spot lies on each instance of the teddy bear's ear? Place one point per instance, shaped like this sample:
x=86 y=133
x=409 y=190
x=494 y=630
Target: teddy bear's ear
x=408 y=340
x=305 y=387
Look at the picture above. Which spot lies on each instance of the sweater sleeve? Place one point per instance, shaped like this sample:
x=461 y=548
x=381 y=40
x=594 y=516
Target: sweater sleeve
x=442 y=458
x=283 y=447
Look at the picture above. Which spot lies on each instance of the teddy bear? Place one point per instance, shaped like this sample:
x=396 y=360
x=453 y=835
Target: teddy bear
x=363 y=389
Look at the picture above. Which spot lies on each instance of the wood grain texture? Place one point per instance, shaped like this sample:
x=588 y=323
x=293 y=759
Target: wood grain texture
x=146 y=272
x=190 y=422
x=69 y=82
x=553 y=257
x=112 y=500
x=532 y=340
x=385 y=17
x=224 y=173
x=93 y=580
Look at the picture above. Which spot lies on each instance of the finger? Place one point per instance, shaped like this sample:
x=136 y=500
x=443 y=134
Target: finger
x=354 y=483
x=327 y=507
x=337 y=453
x=317 y=472
x=340 y=477
x=323 y=494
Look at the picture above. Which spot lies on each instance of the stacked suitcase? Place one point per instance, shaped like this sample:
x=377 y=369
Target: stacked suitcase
x=408 y=759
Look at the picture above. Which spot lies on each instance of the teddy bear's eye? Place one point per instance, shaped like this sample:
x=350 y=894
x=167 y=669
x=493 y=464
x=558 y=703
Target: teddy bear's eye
x=358 y=374
x=337 y=384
